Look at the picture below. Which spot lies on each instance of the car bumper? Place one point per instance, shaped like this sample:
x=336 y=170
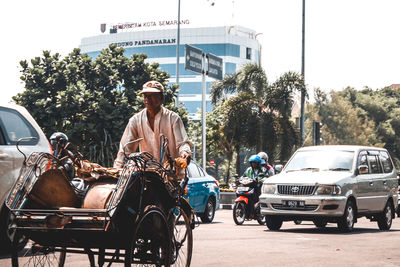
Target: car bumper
x=329 y=206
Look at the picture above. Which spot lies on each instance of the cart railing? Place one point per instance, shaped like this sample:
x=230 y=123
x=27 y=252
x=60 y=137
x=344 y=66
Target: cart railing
x=76 y=217
x=36 y=164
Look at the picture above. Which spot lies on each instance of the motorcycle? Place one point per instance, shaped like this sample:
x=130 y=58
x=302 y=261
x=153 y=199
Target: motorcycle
x=246 y=205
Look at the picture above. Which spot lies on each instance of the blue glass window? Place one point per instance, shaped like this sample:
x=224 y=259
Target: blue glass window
x=163 y=51
x=230 y=68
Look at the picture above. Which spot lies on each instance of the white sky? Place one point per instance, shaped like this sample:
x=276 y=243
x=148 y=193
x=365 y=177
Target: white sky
x=348 y=42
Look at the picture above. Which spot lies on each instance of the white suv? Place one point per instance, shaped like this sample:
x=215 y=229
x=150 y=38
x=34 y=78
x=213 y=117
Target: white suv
x=332 y=184
x=15 y=123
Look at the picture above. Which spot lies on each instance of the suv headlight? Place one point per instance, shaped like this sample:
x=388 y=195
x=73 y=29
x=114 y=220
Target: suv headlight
x=328 y=190
x=268 y=189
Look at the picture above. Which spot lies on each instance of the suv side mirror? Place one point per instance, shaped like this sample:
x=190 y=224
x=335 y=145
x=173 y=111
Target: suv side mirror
x=363 y=169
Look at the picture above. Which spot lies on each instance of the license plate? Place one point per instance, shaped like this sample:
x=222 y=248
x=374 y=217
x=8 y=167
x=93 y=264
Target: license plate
x=243 y=188
x=293 y=204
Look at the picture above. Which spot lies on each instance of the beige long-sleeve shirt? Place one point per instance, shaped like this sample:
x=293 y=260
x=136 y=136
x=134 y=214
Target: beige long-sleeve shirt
x=166 y=122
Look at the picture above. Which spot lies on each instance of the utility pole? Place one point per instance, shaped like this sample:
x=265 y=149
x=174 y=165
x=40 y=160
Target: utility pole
x=177 y=50
x=303 y=97
x=203 y=110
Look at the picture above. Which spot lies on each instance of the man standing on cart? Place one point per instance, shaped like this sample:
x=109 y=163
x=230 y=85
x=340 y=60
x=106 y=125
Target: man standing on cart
x=150 y=123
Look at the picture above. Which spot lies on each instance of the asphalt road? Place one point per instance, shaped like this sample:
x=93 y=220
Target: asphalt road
x=222 y=243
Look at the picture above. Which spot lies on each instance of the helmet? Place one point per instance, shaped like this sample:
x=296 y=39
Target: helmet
x=58 y=138
x=263 y=156
x=255 y=158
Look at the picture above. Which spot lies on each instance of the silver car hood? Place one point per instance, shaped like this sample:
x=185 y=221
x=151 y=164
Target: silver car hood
x=309 y=177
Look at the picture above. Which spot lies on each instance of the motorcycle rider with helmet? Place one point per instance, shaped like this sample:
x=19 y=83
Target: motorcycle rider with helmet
x=264 y=163
x=248 y=191
x=256 y=172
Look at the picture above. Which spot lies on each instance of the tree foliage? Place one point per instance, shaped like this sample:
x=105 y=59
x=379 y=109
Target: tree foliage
x=218 y=144
x=90 y=100
x=365 y=117
x=343 y=123
x=281 y=101
x=257 y=115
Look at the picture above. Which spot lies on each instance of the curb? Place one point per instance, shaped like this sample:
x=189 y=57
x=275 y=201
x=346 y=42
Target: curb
x=226 y=206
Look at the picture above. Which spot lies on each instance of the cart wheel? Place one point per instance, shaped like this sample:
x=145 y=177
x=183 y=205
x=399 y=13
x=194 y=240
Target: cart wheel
x=37 y=255
x=8 y=235
x=182 y=237
x=151 y=240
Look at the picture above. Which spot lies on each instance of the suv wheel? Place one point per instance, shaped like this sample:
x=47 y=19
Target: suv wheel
x=273 y=222
x=385 y=218
x=346 y=222
x=209 y=212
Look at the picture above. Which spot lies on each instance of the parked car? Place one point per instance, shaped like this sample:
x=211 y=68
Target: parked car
x=333 y=184
x=202 y=192
x=15 y=123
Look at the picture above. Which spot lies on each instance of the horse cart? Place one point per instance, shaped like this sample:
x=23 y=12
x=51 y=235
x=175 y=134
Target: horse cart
x=135 y=217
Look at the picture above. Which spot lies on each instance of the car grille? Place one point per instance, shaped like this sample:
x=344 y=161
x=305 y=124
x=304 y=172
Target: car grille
x=304 y=208
x=296 y=190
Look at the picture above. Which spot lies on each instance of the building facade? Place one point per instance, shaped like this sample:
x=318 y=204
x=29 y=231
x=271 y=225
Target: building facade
x=236 y=46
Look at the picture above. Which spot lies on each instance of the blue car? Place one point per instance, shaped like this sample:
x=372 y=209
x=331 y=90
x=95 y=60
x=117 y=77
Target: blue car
x=202 y=192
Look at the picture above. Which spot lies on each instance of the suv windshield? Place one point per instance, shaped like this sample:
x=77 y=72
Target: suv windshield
x=318 y=160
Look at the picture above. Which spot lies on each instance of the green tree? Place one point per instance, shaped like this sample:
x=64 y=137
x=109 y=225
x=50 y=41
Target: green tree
x=252 y=83
x=259 y=114
x=381 y=107
x=219 y=147
x=238 y=120
x=89 y=100
x=279 y=103
x=343 y=123
x=363 y=117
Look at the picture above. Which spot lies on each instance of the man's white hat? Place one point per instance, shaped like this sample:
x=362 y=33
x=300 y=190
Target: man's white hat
x=152 y=87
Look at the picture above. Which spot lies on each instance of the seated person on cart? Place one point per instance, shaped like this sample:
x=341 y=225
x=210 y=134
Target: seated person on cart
x=150 y=123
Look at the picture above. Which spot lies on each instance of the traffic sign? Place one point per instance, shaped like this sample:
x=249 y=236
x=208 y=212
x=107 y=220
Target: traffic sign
x=212 y=162
x=214 y=66
x=193 y=59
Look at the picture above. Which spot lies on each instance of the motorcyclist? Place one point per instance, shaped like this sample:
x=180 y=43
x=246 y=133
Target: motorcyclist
x=256 y=172
x=264 y=163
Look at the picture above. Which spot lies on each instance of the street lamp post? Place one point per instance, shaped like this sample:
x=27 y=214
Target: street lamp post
x=303 y=97
x=259 y=52
x=177 y=50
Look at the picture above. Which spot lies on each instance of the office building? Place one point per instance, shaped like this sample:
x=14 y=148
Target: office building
x=236 y=46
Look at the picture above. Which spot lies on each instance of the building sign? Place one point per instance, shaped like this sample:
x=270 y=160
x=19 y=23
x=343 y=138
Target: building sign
x=193 y=59
x=148 y=24
x=146 y=42
x=214 y=66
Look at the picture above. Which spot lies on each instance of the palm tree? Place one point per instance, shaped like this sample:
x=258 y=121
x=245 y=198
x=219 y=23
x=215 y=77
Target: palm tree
x=237 y=114
x=252 y=81
x=257 y=115
x=281 y=100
